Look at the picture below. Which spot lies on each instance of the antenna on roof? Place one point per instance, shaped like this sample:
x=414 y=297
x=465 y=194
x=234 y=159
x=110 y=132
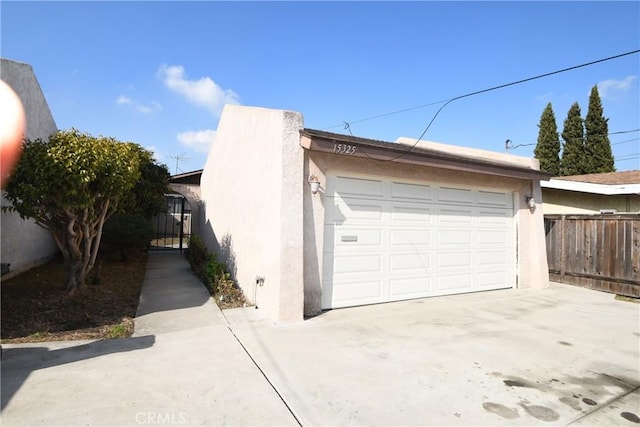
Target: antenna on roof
x=178 y=158
x=347 y=126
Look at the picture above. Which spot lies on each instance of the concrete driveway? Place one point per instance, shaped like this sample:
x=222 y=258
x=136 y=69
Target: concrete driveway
x=518 y=357
x=559 y=356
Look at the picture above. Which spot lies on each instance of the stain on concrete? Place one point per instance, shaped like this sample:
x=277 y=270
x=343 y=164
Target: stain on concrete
x=597 y=384
x=541 y=413
x=630 y=416
x=572 y=403
x=589 y=401
x=565 y=343
x=515 y=383
x=503 y=411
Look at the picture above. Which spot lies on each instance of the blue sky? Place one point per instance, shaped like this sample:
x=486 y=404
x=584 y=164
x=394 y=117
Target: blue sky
x=159 y=73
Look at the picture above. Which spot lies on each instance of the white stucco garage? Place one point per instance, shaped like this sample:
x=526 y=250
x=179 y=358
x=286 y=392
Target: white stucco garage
x=390 y=221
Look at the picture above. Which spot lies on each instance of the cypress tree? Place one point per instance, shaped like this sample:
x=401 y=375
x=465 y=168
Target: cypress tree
x=598 y=147
x=547 y=150
x=573 y=150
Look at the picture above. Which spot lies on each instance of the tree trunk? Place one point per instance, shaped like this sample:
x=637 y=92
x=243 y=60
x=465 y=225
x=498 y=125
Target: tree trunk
x=73 y=267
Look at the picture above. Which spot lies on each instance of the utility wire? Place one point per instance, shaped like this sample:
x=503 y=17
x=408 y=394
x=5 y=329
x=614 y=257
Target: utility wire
x=508 y=85
x=509 y=146
x=626 y=140
x=486 y=90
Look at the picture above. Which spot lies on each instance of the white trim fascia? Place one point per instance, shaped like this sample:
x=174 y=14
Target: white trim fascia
x=587 y=187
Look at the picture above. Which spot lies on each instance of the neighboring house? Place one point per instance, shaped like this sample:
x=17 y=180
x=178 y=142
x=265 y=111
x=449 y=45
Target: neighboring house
x=613 y=192
x=24 y=244
x=188 y=185
x=390 y=221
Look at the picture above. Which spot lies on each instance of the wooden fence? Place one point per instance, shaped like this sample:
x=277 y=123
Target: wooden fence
x=600 y=252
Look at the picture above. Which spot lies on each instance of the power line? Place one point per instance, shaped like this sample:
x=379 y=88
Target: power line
x=509 y=146
x=629 y=156
x=508 y=85
x=345 y=123
x=626 y=140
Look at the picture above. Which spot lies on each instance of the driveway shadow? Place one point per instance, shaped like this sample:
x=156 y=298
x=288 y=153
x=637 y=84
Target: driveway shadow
x=18 y=362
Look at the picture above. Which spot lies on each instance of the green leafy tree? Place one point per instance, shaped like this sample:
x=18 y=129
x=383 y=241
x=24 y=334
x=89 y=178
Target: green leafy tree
x=573 y=151
x=131 y=230
x=599 y=158
x=547 y=149
x=70 y=185
x=147 y=197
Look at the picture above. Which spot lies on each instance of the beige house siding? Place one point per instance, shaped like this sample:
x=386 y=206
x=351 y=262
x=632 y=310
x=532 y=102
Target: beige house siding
x=572 y=202
x=24 y=244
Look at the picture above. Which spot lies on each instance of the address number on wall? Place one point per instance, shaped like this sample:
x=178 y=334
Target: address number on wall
x=344 y=149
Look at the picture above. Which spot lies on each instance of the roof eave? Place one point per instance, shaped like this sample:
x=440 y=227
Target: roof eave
x=388 y=151
x=588 y=187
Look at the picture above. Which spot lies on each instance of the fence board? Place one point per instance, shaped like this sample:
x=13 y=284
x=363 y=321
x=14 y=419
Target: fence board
x=595 y=251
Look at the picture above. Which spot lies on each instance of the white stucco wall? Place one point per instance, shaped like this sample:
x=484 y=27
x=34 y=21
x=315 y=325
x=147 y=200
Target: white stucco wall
x=252 y=189
x=23 y=243
x=531 y=269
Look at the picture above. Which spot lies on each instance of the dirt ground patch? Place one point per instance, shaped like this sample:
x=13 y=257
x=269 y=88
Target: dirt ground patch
x=36 y=307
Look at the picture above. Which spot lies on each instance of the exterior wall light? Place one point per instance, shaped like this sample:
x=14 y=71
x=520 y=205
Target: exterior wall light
x=531 y=202
x=314 y=184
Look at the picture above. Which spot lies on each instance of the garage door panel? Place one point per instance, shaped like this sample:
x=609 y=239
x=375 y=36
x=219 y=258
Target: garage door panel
x=406 y=191
x=493 y=280
x=409 y=262
x=455 y=195
x=493 y=259
x=361 y=264
x=504 y=200
x=454 y=237
x=366 y=292
x=411 y=214
x=355 y=211
x=359 y=187
x=492 y=237
x=458 y=260
x=412 y=287
x=460 y=282
x=409 y=237
x=454 y=216
x=493 y=217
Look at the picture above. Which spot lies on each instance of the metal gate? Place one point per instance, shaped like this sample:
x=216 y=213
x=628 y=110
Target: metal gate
x=173 y=228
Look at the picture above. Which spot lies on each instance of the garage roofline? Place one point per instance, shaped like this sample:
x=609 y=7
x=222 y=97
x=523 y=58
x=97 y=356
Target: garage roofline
x=327 y=142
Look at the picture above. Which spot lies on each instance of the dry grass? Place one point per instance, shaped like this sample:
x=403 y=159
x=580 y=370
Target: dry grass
x=36 y=307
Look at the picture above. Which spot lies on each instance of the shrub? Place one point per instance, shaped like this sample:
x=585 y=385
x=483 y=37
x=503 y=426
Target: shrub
x=197 y=255
x=214 y=275
x=127 y=234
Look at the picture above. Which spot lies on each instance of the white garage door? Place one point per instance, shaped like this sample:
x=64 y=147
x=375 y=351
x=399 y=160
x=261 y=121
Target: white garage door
x=387 y=240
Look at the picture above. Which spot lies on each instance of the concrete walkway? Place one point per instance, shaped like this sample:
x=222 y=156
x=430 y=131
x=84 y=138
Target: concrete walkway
x=183 y=366
x=558 y=356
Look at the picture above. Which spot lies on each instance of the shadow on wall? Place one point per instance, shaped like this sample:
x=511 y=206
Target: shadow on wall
x=227 y=255
x=312 y=273
x=223 y=248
